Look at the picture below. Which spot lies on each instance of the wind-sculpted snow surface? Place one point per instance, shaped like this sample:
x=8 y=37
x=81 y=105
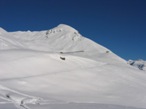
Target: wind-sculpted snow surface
x=61 y=69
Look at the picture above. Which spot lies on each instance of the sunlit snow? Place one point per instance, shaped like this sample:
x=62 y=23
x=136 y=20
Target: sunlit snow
x=61 y=69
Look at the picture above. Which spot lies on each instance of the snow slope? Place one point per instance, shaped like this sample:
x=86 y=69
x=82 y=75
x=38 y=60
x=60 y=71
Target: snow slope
x=61 y=69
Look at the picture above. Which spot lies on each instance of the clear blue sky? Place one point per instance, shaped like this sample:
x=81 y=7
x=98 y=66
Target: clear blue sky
x=119 y=25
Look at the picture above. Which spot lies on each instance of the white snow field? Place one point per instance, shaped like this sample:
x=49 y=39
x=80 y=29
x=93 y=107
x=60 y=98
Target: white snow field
x=61 y=69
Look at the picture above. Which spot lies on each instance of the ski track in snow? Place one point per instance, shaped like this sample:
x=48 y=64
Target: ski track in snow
x=18 y=99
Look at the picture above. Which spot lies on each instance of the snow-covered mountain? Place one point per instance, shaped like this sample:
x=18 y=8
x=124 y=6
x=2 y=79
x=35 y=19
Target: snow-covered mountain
x=141 y=64
x=61 y=69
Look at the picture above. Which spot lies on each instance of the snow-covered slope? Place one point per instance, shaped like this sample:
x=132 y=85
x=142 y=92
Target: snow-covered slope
x=61 y=69
x=64 y=39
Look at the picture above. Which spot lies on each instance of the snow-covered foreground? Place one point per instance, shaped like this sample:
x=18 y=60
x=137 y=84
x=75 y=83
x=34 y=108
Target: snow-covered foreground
x=72 y=106
x=60 y=69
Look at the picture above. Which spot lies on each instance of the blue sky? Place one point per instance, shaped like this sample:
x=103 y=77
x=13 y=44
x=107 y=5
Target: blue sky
x=119 y=25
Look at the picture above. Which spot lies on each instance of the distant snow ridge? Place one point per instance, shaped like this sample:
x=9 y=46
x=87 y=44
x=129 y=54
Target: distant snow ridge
x=141 y=64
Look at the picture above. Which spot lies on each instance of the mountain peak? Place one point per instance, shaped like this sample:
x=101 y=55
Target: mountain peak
x=66 y=28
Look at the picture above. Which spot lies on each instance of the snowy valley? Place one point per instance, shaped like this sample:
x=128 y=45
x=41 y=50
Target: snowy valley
x=61 y=69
